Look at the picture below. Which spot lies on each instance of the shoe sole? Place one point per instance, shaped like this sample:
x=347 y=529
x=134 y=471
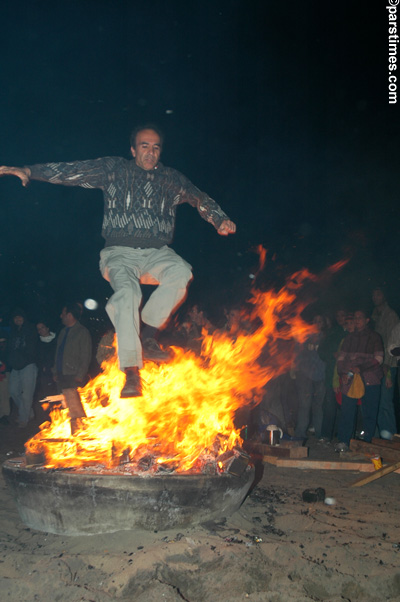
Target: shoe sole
x=124 y=396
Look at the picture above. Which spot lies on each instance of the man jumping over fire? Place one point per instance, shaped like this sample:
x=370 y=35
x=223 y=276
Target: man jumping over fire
x=140 y=201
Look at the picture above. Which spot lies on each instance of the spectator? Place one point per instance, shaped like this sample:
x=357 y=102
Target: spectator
x=189 y=334
x=106 y=348
x=74 y=350
x=237 y=321
x=22 y=355
x=361 y=353
x=328 y=352
x=4 y=374
x=385 y=320
x=46 y=354
x=309 y=372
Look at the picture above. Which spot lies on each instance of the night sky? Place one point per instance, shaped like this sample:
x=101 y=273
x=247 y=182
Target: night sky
x=279 y=111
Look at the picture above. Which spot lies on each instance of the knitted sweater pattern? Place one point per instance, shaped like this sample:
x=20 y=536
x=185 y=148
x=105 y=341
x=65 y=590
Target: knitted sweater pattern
x=139 y=205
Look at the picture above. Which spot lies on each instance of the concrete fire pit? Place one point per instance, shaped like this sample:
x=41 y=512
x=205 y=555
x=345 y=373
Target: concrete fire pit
x=68 y=502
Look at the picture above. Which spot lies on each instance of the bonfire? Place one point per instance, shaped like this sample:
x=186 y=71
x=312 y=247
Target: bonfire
x=184 y=421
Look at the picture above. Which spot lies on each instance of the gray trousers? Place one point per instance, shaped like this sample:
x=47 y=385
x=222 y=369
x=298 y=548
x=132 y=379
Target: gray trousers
x=4 y=397
x=21 y=388
x=311 y=397
x=125 y=269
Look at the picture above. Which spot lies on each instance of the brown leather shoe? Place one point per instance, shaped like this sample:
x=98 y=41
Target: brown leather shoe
x=133 y=383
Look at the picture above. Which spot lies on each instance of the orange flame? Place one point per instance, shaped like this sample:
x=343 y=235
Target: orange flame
x=187 y=410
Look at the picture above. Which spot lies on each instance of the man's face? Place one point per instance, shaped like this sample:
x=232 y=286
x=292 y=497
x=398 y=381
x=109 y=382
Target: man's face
x=340 y=317
x=65 y=317
x=360 y=320
x=319 y=322
x=378 y=297
x=18 y=320
x=42 y=329
x=195 y=315
x=147 y=150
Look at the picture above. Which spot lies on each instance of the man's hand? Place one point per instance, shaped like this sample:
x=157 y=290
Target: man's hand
x=227 y=227
x=23 y=173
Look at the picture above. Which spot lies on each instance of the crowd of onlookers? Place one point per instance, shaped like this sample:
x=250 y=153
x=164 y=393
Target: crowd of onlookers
x=343 y=379
x=341 y=384
x=35 y=363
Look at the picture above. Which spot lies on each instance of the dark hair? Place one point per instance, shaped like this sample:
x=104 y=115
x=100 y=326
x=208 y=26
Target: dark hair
x=381 y=289
x=42 y=321
x=18 y=311
x=147 y=126
x=75 y=309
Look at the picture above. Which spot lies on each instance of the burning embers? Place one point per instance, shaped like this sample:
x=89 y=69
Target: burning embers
x=184 y=422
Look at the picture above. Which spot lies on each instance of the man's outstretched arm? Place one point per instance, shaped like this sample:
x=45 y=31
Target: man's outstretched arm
x=23 y=173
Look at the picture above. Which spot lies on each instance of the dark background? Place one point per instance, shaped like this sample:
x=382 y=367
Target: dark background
x=278 y=110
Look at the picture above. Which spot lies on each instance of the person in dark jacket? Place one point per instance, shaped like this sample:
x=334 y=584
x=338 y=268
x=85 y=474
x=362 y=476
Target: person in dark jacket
x=4 y=376
x=328 y=352
x=22 y=356
x=310 y=381
x=46 y=354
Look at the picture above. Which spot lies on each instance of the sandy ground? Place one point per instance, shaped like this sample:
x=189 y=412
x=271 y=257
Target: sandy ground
x=276 y=548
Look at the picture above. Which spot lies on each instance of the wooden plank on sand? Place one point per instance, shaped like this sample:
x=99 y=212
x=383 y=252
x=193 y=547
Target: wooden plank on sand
x=377 y=474
x=321 y=464
x=393 y=444
x=389 y=454
x=277 y=451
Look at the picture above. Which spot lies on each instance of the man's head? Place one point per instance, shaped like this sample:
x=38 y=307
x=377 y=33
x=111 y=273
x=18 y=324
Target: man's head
x=18 y=320
x=320 y=322
x=360 y=320
x=71 y=313
x=349 y=322
x=340 y=316
x=378 y=296
x=233 y=318
x=18 y=317
x=197 y=314
x=146 y=146
x=42 y=329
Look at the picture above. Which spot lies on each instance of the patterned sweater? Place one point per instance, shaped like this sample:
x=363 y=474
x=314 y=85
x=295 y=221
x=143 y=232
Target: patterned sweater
x=139 y=205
